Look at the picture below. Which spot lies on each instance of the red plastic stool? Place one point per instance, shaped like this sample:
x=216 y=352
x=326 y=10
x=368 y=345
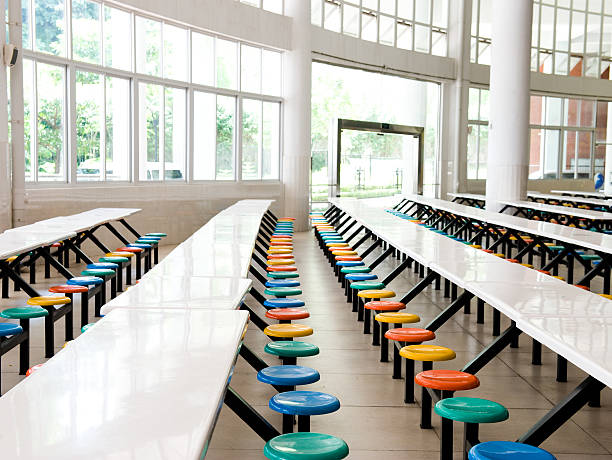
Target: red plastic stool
x=286 y=315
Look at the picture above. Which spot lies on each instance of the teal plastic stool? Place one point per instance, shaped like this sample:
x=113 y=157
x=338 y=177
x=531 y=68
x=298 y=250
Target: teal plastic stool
x=282 y=291
x=290 y=350
x=24 y=315
x=470 y=411
x=306 y=446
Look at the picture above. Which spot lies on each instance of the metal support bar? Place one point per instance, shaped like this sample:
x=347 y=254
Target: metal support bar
x=130 y=228
x=448 y=313
x=362 y=240
x=361 y=227
x=249 y=415
x=492 y=350
x=115 y=232
x=368 y=251
x=262 y=279
x=254 y=317
x=419 y=287
x=396 y=272
x=381 y=258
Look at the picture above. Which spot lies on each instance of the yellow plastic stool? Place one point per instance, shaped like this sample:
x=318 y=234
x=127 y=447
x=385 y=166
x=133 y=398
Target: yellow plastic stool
x=376 y=294
x=279 y=251
x=48 y=300
x=285 y=330
x=397 y=318
x=281 y=262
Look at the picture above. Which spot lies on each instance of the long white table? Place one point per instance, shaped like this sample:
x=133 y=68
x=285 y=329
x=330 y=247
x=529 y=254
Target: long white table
x=142 y=384
x=575 y=201
x=576 y=324
x=579 y=193
x=574 y=214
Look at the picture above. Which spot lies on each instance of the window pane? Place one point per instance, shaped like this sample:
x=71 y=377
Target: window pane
x=331 y=16
x=148 y=46
x=421 y=38
x=484 y=24
x=271 y=140
x=387 y=6
x=587 y=109
x=227 y=64
x=369 y=26
x=351 y=21
x=440 y=13
x=551 y=153
x=86 y=31
x=553 y=110
x=473 y=102
x=404 y=36
x=536 y=110
x=547 y=27
x=175 y=52
x=438 y=44
x=28 y=116
x=562 y=30
x=387 y=30
x=600 y=159
x=405 y=9
x=175 y=134
x=535 y=154
x=315 y=12
x=204 y=132
x=472 y=152
x=250 y=69
x=275 y=6
x=50 y=26
x=585 y=139
x=89 y=109
x=272 y=73
x=572 y=112
x=117 y=39
x=117 y=129
x=422 y=11
x=483 y=146
x=51 y=139
x=149 y=132
x=202 y=59
x=226 y=110
x=251 y=139
x=26 y=24
x=484 y=104
x=569 y=155
x=578 y=23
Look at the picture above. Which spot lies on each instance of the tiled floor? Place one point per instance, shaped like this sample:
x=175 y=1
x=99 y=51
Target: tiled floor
x=373 y=418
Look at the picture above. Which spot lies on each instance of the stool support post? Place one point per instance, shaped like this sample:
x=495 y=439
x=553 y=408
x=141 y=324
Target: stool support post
x=249 y=415
x=425 y=399
x=303 y=423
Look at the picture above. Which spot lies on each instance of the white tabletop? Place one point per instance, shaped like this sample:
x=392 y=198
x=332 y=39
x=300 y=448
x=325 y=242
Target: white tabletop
x=469 y=196
x=577 y=200
x=139 y=385
x=596 y=241
x=581 y=193
x=15 y=243
x=574 y=212
x=171 y=291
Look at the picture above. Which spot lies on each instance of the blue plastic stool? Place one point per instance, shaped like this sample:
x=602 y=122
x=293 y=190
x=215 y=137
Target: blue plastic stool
x=284 y=303
x=507 y=450
x=303 y=404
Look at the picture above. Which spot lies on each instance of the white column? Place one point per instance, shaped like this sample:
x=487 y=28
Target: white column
x=6 y=194
x=297 y=76
x=508 y=159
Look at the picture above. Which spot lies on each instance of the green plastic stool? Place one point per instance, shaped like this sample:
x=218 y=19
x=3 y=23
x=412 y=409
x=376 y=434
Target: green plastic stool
x=24 y=315
x=87 y=326
x=306 y=446
x=347 y=270
x=288 y=350
x=361 y=285
x=282 y=275
x=282 y=291
x=470 y=411
x=161 y=235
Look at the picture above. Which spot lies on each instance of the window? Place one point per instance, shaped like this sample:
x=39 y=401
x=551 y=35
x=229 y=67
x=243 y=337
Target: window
x=148 y=46
x=417 y=25
x=163 y=140
x=144 y=99
x=567 y=39
x=274 y=6
x=86 y=30
x=568 y=136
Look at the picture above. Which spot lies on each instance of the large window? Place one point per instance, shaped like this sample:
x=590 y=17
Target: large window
x=569 y=37
x=124 y=97
x=275 y=6
x=568 y=136
x=417 y=25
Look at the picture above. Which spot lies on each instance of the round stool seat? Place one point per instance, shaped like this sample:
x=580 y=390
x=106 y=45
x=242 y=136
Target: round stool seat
x=384 y=305
x=507 y=450
x=397 y=318
x=348 y=258
x=68 y=289
x=349 y=263
x=286 y=219
x=287 y=314
x=98 y=272
x=33 y=369
x=7 y=329
x=284 y=247
x=148 y=239
x=48 y=300
x=288 y=375
x=288 y=330
x=361 y=276
x=306 y=446
x=356 y=270
x=102 y=265
x=282 y=291
x=87 y=326
x=114 y=260
x=139 y=245
x=162 y=235
x=85 y=281
x=282 y=275
x=130 y=249
x=33 y=311
x=410 y=335
x=471 y=410
x=291 y=349
x=282 y=283
x=427 y=353
x=283 y=303
x=304 y=403
x=606 y=296
x=445 y=379
x=376 y=294
x=279 y=243
x=363 y=285
x=282 y=268
x=344 y=253
x=281 y=262
x=337 y=245
x=278 y=256
x=119 y=254
x=279 y=251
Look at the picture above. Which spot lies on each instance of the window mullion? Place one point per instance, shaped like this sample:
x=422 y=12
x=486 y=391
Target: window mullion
x=103 y=131
x=34 y=125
